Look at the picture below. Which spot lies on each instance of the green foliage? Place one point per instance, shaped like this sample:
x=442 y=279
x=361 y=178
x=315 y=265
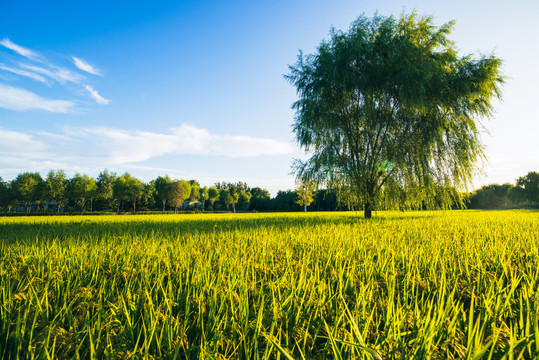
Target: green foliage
x=305 y=193
x=105 y=195
x=492 y=196
x=260 y=199
x=213 y=195
x=390 y=108
x=7 y=195
x=204 y=196
x=195 y=191
x=28 y=187
x=530 y=186
x=226 y=198
x=244 y=200
x=162 y=188
x=55 y=187
x=419 y=285
x=81 y=188
x=495 y=196
x=285 y=200
x=180 y=190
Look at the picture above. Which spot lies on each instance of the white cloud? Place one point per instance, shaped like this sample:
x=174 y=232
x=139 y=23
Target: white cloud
x=40 y=70
x=201 y=142
x=64 y=75
x=16 y=142
x=38 y=67
x=98 y=98
x=13 y=98
x=58 y=74
x=91 y=150
x=84 y=66
x=23 y=73
x=18 y=49
x=122 y=146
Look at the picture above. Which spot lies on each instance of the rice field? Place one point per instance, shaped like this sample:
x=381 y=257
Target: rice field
x=414 y=285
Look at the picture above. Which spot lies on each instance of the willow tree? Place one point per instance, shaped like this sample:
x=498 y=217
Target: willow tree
x=392 y=109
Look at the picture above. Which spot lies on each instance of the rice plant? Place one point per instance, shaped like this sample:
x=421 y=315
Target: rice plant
x=416 y=285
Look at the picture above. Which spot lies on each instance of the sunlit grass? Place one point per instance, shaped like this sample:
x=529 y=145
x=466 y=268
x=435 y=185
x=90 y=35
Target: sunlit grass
x=436 y=285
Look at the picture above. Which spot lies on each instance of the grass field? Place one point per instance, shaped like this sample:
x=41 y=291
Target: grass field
x=415 y=285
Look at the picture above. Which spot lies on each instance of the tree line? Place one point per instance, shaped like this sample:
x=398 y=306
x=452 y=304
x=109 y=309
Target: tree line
x=525 y=193
x=29 y=192
x=108 y=192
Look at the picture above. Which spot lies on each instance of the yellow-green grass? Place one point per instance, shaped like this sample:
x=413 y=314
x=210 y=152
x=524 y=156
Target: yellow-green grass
x=414 y=285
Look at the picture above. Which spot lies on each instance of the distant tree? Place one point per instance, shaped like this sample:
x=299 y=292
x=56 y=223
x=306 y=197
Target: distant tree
x=133 y=189
x=105 y=195
x=305 y=193
x=195 y=191
x=234 y=193
x=27 y=188
x=119 y=191
x=80 y=188
x=148 y=195
x=213 y=196
x=517 y=195
x=7 y=195
x=3 y=193
x=204 y=195
x=285 y=200
x=162 y=188
x=260 y=199
x=492 y=196
x=179 y=192
x=227 y=199
x=244 y=199
x=325 y=200
x=55 y=187
x=530 y=184
x=390 y=104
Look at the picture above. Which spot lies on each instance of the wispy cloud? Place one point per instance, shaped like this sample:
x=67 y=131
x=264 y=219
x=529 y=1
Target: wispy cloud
x=56 y=73
x=18 y=99
x=98 y=98
x=39 y=67
x=21 y=72
x=84 y=66
x=18 y=49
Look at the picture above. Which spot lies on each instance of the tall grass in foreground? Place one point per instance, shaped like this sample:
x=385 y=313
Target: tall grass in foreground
x=437 y=285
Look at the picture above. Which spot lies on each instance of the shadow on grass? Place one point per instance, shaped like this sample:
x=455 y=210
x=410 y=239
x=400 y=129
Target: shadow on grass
x=99 y=229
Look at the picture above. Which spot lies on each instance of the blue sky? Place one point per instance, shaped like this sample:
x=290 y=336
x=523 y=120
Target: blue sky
x=196 y=90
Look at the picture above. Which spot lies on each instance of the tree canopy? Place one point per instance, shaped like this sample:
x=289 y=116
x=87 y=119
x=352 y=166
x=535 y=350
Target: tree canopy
x=391 y=109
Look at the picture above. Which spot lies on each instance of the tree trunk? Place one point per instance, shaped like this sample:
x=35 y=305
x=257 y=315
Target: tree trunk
x=368 y=209
x=369 y=200
x=175 y=210
x=304 y=206
x=134 y=209
x=164 y=201
x=91 y=204
x=234 y=207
